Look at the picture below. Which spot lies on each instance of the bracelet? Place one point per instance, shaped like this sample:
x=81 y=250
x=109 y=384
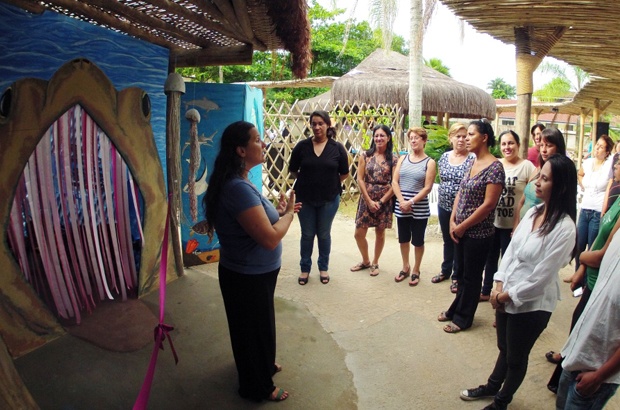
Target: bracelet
x=497 y=298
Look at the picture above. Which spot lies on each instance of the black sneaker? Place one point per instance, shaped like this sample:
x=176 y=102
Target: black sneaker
x=496 y=406
x=476 y=393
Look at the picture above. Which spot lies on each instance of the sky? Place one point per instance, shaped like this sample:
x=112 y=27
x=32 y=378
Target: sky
x=474 y=59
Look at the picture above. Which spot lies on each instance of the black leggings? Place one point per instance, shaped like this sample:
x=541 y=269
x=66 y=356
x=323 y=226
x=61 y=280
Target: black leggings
x=516 y=335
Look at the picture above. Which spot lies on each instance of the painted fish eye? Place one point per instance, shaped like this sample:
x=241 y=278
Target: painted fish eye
x=146 y=105
x=5 y=103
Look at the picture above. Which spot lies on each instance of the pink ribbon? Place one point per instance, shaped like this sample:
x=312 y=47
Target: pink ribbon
x=162 y=330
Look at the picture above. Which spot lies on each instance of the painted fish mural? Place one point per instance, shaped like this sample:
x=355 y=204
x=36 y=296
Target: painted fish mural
x=29 y=108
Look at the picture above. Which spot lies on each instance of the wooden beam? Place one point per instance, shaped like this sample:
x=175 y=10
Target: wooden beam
x=227 y=10
x=175 y=8
x=108 y=20
x=241 y=11
x=241 y=55
x=133 y=14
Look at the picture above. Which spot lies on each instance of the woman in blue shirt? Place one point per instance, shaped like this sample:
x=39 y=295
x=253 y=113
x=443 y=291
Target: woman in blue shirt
x=250 y=230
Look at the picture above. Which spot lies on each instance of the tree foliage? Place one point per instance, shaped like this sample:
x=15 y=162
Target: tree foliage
x=556 y=90
x=500 y=89
x=437 y=65
x=329 y=57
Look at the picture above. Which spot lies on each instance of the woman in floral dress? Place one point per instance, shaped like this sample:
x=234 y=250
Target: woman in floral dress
x=374 y=177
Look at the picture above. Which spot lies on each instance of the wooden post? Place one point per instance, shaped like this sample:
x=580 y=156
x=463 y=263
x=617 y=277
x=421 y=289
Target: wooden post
x=582 y=131
x=173 y=88
x=528 y=59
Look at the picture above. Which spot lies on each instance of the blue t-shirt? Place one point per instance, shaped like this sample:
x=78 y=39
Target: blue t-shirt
x=238 y=251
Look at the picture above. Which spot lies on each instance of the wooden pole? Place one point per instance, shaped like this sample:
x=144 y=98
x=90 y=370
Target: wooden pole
x=174 y=88
x=582 y=131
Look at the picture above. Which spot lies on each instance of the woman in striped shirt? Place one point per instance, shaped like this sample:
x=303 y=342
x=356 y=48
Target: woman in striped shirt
x=413 y=180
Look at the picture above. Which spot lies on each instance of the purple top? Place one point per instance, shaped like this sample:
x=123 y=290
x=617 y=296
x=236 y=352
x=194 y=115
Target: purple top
x=471 y=197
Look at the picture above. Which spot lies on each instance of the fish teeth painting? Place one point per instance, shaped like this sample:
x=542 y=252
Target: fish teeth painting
x=75 y=145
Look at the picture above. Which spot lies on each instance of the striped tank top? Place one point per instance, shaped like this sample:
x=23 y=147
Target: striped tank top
x=411 y=181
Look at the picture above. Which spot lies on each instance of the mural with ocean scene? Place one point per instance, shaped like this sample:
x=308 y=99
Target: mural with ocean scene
x=36 y=45
x=216 y=106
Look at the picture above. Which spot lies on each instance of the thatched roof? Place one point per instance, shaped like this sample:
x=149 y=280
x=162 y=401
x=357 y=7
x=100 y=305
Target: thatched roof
x=199 y=32
x=383 y=78
x=588 y=40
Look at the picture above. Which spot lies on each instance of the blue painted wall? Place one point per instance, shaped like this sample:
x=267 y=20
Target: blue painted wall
x=36 y=45
x=218 y=105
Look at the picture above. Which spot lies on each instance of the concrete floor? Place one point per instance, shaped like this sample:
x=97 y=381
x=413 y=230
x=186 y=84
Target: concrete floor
x=359 y=342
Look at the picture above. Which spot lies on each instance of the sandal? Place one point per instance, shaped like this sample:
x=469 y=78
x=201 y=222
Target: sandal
x=438 y=278
x=415 y=279
x=324 y=279
x=454 y=287
x=374 y=270
x=303 y=281
x=451 y=328
x=278 y=394
x=552 y=358
x=360 y=266
x=443 y=317
x=402 y=275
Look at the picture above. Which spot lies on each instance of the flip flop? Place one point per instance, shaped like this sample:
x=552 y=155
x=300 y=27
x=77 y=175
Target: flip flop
x=443 y=317
x=360 y=266
x=415 y=279
x=402 y=275
x=451 y=328
x=438 y=278
x=279 y=396
x=550 y=356
x=374 y=270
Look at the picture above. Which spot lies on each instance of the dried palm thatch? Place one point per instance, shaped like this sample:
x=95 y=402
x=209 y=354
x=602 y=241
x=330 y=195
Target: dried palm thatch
x=383 y=78
x=199 y=33
x=587 y=40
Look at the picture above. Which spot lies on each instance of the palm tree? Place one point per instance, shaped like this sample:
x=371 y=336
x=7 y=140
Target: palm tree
x=421 y=12
x=581 y=77
x=383 y=14
x=501 y=89
x=437 y=65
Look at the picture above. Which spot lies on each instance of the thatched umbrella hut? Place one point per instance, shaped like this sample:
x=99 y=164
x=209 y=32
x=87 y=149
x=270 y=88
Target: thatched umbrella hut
x=383 y=78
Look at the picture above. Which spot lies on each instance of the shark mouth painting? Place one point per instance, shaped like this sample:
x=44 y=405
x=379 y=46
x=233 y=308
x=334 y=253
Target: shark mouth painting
x=82 y=200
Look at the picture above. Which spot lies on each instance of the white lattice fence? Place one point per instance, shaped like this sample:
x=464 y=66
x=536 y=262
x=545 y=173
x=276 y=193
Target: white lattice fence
x=287 y=124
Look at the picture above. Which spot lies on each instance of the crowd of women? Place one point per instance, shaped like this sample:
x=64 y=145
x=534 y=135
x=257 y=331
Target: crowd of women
x=488 y=208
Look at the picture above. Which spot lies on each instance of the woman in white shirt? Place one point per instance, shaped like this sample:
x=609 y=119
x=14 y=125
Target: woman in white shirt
x=526 y=285
x=593 y=178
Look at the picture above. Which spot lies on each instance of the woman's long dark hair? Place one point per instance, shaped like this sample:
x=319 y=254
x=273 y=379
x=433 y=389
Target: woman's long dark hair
x=228 y=164
x=390 y=144
x=554 y=136
x=331 y=131
x=563 y=200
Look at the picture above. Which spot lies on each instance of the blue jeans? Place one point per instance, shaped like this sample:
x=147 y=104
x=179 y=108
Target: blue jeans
x=449 y=266
x=315 y=219
x=570 y=399
x=587 y=229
